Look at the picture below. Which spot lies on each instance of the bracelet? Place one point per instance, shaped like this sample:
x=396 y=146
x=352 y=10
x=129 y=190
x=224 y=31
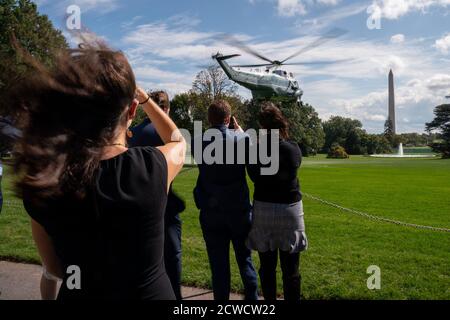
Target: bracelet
x=148 y=98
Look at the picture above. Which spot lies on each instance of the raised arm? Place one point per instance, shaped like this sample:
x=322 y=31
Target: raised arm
x=174 y=148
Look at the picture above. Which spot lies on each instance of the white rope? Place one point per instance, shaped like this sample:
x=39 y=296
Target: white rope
x=372 y=217
x=18 y=205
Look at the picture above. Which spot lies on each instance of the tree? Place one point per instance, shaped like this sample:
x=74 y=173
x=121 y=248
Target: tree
x=305 y=126
x=209 y=85
x=389 y=131
x=181 y=108
x=441 y=123
x=375 y=144
x=212 y=83
x=345 y=132
x=34 y=33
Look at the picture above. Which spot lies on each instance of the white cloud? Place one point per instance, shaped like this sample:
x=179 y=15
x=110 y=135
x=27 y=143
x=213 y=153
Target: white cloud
x=394 y=9
x=376 y=117
x=329 y=18
x=443 y=44
x=103 y=6
x=170 y=39
x=328 y=2
x=290 y=8
x=172 y=88
x=398 y=38
x=100 y=6
x=131 y=22
x=439 y=83
x=153 y=73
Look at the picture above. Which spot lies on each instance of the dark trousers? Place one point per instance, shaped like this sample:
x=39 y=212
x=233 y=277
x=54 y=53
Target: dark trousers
x=290 y=270
x=1 y=194
x=172 y=252
x=219 y=231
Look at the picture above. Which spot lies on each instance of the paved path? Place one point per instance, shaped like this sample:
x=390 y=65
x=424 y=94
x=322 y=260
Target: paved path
x=19 y=281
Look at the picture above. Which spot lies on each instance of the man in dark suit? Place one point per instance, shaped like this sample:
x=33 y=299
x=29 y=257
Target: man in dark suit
x=222 y=196
x=145 y=134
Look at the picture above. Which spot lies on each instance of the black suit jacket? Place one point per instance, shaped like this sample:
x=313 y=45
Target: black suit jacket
x=145 y=134
x=221 y=188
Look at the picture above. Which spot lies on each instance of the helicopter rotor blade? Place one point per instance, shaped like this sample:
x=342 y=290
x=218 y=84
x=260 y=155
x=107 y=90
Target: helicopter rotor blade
x=330 y=35
x=253 y=65
x=307 y=63
x=240 y=45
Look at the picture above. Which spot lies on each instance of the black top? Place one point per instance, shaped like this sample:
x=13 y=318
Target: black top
x=116 y=233
x=283 y=187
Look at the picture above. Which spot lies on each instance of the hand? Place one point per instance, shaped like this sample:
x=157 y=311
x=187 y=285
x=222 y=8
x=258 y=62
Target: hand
x=141 y=95
x=236 y=125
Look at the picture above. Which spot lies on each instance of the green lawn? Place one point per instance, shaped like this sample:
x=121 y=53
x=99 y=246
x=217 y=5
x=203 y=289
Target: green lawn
x=415 y=264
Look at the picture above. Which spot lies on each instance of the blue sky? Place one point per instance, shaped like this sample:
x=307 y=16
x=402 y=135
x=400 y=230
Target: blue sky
x=166 y=41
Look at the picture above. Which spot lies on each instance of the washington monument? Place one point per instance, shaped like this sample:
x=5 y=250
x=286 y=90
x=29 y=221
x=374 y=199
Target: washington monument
x=391 y=117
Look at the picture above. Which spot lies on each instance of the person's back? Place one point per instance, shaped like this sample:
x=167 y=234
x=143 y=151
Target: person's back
x=97 y=207
x=282 y=187
x=222 y=185
x=222 y=196
x=278 y=227
x=115 y=234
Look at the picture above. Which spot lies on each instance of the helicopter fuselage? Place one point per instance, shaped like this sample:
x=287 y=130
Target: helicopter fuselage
x=263 y=83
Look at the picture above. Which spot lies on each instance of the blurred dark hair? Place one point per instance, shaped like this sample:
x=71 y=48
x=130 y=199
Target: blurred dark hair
x=67 y=114
x=161 y=98
x=218 y=112
x=271 y=117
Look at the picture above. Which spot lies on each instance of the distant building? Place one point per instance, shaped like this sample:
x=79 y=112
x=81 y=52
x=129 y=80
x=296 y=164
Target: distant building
x=391 y=116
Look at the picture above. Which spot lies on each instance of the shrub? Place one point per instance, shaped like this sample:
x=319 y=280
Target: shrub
x=337 y=152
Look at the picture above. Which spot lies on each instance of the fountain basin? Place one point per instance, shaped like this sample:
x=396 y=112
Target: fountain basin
x=400 y=154
x=403 y=156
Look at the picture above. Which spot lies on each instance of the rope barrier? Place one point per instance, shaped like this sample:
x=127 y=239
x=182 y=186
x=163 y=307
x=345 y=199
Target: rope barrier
x=18 y=205
x=373 y=217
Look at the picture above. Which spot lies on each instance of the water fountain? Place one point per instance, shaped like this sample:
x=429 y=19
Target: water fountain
x=400 y=154
x=400 y=150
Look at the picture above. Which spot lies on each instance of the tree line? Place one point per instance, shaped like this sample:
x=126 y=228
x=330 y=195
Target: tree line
x=20 y=19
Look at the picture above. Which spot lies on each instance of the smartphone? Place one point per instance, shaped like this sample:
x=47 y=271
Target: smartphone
x=231 y=125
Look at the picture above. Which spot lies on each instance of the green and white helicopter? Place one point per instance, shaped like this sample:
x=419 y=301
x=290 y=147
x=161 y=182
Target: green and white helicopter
x=268 y=79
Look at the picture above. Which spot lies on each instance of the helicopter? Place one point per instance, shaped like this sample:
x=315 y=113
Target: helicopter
x=268 y=79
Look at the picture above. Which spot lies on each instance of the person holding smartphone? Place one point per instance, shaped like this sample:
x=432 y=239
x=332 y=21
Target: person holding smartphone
x=145 y=134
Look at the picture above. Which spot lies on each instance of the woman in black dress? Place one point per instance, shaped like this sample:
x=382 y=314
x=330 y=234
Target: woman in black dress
x=97 y=207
